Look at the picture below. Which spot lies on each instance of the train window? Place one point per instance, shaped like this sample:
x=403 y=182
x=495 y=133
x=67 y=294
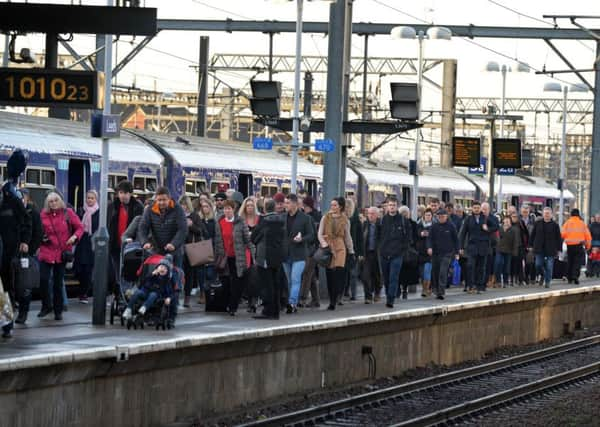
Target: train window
x=48 y=178
x=139 y=184
x=113 y=180
x=3 y=173
x=421 y=200
x=349 y=193
x=285 y=189
x=268 y=190
x=32 y=176
x=190 y=187
x=217 y=187
x=151 y=184
x=445 y=196
x=200 y=186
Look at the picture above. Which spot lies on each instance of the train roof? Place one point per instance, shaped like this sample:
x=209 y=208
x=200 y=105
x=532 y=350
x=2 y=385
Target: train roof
x=382 y=172
x=192 y=151
x=64 y=137
x=525 y=185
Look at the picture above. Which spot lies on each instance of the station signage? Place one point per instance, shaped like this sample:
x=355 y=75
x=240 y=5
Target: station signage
x=38 y=87
x=260 y=143
x=507 y=153
x=481 y=169
x=325 y=145
x=466 y=151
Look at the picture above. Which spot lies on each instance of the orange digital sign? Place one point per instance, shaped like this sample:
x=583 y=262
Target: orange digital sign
x=507 y=153
x=466 y=151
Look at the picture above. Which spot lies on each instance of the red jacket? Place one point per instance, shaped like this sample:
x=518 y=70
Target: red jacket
x=57 y=232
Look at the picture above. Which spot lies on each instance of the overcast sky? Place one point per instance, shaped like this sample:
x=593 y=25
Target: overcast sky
x=166 y=62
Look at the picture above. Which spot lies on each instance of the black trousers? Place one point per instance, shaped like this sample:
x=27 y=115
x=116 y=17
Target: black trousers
x=236 y=285
x=192 y=275
x=336 y=280
x=58 y=274
x=271 y=290
x=477 y=271
x=84 y=275
x=440 y=264
x=371 y=280
x=575 y=258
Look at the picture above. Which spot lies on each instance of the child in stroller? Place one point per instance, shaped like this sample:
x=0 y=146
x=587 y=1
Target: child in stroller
x=157 y=295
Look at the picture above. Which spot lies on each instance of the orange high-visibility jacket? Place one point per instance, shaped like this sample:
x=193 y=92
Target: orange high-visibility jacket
x=574 y=232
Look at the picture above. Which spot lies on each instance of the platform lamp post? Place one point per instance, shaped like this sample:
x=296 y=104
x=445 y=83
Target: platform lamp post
x=297 y=79
x=409 y=33
x=494 y=67
x=557 y=87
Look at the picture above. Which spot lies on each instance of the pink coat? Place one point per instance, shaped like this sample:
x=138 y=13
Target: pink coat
x=57 y=232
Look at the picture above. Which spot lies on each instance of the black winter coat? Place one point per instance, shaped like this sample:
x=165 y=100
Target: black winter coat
x=84 y=254
x=268 y=236
x=473 y=239
x=595 y=231
x=421 y=243
x=197 y=231
x=134 y=208
x=356 y=233
x=15 y=226
x=209 y=224
x=443 y=239
x=160 y=229
x=298 y=251
x=37 y=231
x=395 y=235
x=545 y=238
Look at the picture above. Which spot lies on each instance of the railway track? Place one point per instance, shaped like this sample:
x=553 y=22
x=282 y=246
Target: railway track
x=456 y=396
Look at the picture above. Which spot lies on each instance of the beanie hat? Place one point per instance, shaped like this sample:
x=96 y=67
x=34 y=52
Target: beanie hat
x=238 y=197
x=309 y=201
x=279 y=197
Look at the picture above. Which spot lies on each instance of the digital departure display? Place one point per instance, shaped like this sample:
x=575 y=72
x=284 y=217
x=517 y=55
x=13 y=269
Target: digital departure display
x=507 y=153
x=466 y=151
x=39 y=87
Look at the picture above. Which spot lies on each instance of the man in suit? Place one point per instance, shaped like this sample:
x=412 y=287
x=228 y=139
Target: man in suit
x=299 y=234
x=371 y=276
x=474 y=239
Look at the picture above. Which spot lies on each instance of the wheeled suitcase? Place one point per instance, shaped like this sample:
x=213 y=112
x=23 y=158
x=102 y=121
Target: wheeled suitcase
x=217 y=296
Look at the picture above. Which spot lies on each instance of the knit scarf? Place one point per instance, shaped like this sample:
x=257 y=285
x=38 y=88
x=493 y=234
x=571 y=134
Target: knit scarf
x=89 y=211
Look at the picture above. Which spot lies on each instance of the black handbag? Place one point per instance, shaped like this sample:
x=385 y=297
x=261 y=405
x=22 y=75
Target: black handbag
x=323 y=256
x=411 y=256
x=26 y=272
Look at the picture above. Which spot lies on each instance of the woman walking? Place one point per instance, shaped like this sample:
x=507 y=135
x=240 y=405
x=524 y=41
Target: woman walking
x=196 y=233
x=334 y=233
x=233 y=246
x=62 y=229
x=207 y=273
x=84 y=253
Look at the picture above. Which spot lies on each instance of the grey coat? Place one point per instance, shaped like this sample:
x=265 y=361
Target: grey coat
x=241 y=242
x=161 y=229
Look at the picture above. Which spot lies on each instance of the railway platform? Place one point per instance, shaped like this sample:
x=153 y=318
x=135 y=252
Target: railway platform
x=72 y=371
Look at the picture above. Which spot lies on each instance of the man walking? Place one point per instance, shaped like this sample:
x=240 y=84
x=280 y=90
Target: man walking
x=442 y=246
x=395 y=235
x=546 y=243
x=299 y=234
x=268 y=236
x=121 y=213
x=371 y=276
x=474 y=239
x=577 y=237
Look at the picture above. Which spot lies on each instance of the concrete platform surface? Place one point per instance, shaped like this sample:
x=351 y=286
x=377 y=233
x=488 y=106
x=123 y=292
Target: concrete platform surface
x=44 y=342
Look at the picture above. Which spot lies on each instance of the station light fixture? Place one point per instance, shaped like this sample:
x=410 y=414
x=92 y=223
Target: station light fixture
x=266 y=98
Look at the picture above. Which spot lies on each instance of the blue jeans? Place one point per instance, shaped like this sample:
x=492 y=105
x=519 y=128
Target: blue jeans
x=293 y=272
x=390 y=270
x=207 y=275
x=545 y=263
x=502 y=267
x=426 y=271
x=149 y=297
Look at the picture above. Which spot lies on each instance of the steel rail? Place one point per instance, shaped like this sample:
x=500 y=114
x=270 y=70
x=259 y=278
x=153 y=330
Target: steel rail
x=329 y=409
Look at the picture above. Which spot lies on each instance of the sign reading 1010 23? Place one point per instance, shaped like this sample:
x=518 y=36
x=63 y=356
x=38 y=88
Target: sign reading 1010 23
x=37 y=87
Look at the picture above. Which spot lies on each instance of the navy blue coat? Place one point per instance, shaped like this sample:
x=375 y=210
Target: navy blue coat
x=474 y=240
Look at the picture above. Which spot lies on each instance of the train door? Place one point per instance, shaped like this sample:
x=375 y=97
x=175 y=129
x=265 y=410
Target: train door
x=310 y=186
x=514 y=201
x=445 y=196
x=78 y=181
x=406 y=198
x=245 y=181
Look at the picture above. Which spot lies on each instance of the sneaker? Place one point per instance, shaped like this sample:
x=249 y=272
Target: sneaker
x=576 y=281
x=142 y=310
x=58 y=316
x=404 y=295
x=289 y=309
x=44 y=312
x=388 y=305
x=368 y=301
x=547 y=285
x=127 y=313
x=7 y=333
x=83 y=299
x=441 y=297
x=21 y=318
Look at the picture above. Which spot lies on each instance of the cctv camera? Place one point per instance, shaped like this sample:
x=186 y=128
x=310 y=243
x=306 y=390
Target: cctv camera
x=305 y=123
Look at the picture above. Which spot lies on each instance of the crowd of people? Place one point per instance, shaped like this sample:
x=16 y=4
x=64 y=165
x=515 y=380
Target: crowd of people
x=274 y=251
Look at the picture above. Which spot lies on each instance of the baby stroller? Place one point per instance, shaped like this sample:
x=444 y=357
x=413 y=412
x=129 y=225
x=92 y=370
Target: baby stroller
x=160 y=315
x=132 y=256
